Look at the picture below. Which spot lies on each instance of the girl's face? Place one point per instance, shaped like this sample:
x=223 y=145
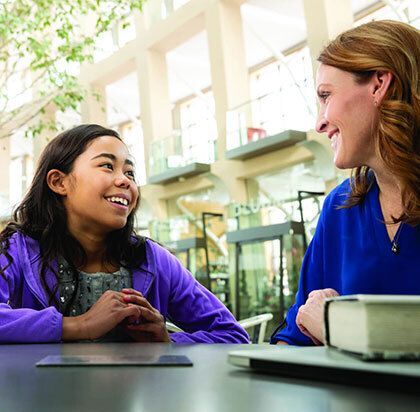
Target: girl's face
x=348 y=115
x=101 y=191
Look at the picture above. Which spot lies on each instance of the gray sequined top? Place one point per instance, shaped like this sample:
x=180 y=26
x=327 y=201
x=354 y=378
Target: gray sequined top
x=91 y=286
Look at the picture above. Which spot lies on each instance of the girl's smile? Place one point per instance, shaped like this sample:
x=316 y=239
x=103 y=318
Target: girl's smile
x=103 y=173
x=119 y=201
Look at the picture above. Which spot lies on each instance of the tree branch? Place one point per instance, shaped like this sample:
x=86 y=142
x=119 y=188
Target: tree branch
x=9 y=131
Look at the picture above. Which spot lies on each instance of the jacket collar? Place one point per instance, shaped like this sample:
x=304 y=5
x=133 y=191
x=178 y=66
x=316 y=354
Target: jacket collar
x=30 y=260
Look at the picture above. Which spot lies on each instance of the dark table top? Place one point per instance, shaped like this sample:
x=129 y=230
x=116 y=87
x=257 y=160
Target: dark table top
x=210 y=385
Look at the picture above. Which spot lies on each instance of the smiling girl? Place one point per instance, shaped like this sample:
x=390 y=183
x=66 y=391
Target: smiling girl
x=368 y=235
x=71 y=267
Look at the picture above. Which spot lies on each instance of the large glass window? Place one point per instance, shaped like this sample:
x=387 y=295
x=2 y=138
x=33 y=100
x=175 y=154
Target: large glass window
x=407 y=11
x=198 y=128
x=123 y=114
x=194 y=141
x=132 y=134
x=282 y=98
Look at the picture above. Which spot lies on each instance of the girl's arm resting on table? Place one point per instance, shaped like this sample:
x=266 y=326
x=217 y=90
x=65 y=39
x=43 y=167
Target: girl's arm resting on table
x=24 y=325
x=72 y=329
x=32 y=324
x=151 y=327
x=214 y=336
x=29 y=325
x=206 y=321
x=201 y=316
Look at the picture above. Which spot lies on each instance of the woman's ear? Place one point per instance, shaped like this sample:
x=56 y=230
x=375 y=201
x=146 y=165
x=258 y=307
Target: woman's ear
x=381 y=82
x=56 y=182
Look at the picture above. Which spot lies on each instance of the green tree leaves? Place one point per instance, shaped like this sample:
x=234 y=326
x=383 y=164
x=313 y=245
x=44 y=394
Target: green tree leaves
x=46 y=41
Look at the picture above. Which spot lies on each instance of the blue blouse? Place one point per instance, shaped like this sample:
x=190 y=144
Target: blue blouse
x=351 y=253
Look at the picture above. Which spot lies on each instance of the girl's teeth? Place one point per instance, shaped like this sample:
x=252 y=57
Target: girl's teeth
x=118 y=200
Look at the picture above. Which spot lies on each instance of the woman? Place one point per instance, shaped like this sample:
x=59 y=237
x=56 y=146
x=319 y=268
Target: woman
x=368 y=236
x=72 y=268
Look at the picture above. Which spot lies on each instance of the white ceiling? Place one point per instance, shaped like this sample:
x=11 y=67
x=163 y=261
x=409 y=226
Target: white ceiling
x=269 y=25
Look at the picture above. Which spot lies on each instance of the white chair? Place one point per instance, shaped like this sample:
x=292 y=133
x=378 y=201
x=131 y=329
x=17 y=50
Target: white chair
x=172 y=328
x=247 y=323
x=253 y=321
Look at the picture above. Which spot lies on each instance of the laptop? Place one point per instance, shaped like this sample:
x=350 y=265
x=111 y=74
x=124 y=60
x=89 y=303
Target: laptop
x=329 y=365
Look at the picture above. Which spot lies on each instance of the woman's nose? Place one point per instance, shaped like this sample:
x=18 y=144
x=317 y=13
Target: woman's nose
x=321 y=124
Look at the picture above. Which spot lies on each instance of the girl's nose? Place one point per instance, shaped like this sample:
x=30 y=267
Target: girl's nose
x=122 y=181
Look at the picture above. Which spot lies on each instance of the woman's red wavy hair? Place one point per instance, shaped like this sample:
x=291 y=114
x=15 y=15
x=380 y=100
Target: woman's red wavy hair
x=394 y=47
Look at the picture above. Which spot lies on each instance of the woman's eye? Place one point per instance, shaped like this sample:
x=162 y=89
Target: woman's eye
x=323 y=96
x=130 y=174
x=107 y=166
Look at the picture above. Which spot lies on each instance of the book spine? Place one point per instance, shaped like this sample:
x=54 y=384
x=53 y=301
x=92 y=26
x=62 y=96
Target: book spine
x=326 y=322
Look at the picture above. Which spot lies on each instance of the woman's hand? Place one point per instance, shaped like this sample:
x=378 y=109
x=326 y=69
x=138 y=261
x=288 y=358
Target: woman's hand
x=109 y=311
x=310 y=317
x=150 y=325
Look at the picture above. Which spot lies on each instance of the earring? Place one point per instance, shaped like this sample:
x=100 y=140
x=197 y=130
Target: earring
x=375 y=103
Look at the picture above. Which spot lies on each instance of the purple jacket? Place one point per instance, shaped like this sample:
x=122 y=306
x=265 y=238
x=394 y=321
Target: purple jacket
x=25 y=315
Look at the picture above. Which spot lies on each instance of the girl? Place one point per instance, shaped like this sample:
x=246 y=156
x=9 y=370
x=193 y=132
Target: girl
x=71 y=267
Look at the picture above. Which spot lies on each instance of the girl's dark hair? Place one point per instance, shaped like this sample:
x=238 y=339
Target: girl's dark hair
x=42 y=215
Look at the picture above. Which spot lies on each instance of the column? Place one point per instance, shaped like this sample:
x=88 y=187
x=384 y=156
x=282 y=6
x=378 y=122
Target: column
x=325 y=19
x=156 y=114
x=228 y=64
x=93 y=107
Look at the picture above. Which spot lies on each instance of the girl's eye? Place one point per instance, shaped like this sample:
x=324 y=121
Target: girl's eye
x=107 y=166
x=130 y=174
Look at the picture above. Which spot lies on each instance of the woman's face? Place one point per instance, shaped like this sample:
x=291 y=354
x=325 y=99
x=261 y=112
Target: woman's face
x=348 y=115
x=101 y=190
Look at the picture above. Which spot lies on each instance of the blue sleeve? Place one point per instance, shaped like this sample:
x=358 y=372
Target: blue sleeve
x=311 y=278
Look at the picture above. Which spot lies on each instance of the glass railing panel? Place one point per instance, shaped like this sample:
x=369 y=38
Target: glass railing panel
x=195 y=144
x=173 y=229
x=265 y=116
x=259 y=212
x=282 y=98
